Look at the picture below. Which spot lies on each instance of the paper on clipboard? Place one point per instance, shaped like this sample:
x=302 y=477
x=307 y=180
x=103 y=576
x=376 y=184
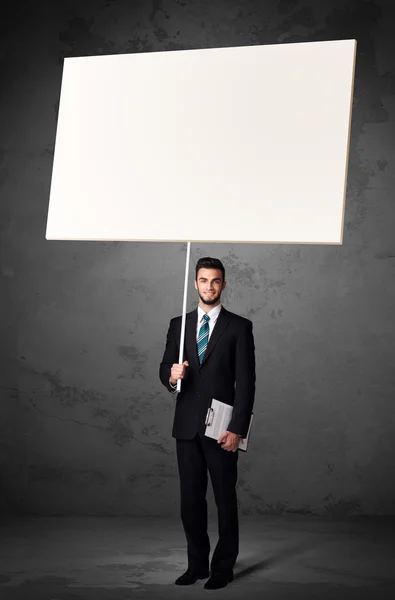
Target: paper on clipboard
x=217 y=421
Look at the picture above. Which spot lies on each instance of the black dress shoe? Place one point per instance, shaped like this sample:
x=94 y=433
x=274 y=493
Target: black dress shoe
x=218 y=580
x=190 y=576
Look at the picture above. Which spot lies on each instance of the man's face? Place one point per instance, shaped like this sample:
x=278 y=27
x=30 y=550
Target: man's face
x=209 y=285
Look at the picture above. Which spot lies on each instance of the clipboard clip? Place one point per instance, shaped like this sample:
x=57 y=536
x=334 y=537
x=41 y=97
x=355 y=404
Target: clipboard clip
x=209 y=417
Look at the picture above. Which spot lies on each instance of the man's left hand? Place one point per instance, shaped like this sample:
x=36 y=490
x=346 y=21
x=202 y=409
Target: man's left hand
x=231 y=443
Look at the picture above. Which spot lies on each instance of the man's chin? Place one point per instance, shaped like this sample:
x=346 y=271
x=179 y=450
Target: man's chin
x=210 y=301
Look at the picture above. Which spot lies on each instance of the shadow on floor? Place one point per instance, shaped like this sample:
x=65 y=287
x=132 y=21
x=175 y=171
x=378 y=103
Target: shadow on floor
x=281 y=557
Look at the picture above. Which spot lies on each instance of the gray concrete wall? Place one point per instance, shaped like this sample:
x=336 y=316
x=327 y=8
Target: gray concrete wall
x=85 y=425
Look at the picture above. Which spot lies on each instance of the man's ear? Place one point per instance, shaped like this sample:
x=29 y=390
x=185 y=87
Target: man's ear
x=196 y=287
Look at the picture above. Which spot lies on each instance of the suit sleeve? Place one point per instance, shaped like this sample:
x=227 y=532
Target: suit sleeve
x=170 y=356
x=245 y=381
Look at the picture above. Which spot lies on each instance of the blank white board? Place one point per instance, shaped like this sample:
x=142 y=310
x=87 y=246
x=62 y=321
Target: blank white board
x=240 y=144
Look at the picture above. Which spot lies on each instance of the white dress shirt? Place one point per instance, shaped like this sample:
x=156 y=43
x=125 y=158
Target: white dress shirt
x=213 y=314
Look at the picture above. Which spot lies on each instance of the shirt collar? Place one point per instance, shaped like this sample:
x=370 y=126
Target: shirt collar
x=213 y=314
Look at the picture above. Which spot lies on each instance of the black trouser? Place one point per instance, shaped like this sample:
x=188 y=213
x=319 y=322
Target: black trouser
x=194 y=458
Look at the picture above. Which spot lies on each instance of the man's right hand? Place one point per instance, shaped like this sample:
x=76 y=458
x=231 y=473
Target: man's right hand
x=178 y=371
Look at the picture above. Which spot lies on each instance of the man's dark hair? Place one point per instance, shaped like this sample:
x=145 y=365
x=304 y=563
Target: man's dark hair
x=209 y=263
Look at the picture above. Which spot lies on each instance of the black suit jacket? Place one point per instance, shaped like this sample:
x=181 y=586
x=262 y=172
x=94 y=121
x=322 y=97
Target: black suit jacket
x=227 y=372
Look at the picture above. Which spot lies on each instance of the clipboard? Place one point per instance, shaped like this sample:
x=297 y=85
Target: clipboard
x=217 y=420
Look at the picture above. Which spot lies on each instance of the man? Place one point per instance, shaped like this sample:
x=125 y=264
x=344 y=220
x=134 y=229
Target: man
x=219 y=363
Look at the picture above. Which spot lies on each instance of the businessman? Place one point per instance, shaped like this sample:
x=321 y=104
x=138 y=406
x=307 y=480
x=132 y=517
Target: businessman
x=219 y=362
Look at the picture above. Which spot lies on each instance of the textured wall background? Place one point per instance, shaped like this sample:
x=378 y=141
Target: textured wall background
x=85 y=425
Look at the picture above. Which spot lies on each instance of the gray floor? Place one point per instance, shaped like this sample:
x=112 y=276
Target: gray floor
x=118 y=558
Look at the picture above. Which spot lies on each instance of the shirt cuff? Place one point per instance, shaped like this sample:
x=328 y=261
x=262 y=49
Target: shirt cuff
x=173 y=387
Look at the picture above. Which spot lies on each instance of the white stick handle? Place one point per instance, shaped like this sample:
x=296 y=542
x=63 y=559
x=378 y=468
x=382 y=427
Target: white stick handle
x=184 y=312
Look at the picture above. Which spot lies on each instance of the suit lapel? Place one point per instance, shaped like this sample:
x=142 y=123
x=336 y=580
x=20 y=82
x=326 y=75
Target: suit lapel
x=219 y=328
x=190 y=336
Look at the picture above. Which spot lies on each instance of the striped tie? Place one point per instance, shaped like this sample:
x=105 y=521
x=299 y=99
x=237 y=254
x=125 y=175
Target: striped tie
x=202 y=340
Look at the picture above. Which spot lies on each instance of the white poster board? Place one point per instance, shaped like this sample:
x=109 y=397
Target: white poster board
x=241 y=144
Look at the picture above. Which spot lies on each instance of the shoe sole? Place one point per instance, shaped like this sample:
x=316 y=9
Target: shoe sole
x=177 y=582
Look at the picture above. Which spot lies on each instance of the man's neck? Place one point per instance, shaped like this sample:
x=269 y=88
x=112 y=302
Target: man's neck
x=206 y=307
